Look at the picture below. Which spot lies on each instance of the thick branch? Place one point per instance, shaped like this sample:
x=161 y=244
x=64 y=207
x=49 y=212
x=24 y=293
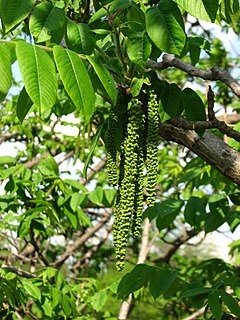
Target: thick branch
x=214 y=74
x=209 y=147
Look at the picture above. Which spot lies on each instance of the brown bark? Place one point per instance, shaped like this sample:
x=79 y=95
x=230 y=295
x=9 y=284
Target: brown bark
x=209 y=147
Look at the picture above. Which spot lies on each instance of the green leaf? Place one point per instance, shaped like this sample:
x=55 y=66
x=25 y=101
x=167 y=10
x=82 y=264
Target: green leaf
x=165 y=27
x=194 y=107
x=215 y=305
x=161 y=282
x=83 y=218
x=38 y=73
x=73 y=218
x=195 y=292
x=136 y=86
x=96 y=196
x=76 y=200
x=195 y=211
x=105 y=78
x=139 y=47
x=31 y=289
x=170 y=99
x=92 y=148
x=24 y=104
x=231 y=303
x=109 y=195
x=75 y=80
x=216 y=217
x=80 y=38
x=7 y=159
x=44 y=19
x=99 y=300
x=12 y=12
x=66 y=304
x=49 y=167
x=135 y=280
x=5 y=71
x=166 y=210
x=201 y=9
x=110 y=8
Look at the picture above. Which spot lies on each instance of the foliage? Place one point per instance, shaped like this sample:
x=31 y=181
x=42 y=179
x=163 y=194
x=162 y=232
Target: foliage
x=93 y=84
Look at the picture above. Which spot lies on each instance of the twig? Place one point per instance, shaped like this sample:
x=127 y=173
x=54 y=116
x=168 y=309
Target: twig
x=213 y=124
x=19 y=272
x=72 y=248
x=213 y=74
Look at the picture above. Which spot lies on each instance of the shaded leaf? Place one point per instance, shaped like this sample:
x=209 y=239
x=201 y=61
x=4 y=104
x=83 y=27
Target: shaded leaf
x=194 y=107
x=139 y=47
x=44 y=19
x=80 y=38
x=24 y=104
x=161 y=282
x=231 y=303
x=170 y=99
x=135 y=280
x=195 y=292
x=215 y=305
x=92 y=148
x=105 y=78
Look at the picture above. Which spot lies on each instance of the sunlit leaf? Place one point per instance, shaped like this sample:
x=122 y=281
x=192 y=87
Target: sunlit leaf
x=165 y=27
x=75 y=80
x=38 y=73
x=5 y=71
x=12 y=12
x=201 y=9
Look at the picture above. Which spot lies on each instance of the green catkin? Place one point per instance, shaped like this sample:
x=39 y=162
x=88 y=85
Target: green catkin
x=152 y=147
x=127 y=189
x=111 y=148
x=139 y=198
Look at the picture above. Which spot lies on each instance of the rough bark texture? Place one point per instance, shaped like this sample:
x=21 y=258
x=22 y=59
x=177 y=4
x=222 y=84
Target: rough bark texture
x=209 y=147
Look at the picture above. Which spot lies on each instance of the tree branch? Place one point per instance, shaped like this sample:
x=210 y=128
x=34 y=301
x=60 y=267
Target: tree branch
x=213 y=74
x=72 y=248
x=209 y=147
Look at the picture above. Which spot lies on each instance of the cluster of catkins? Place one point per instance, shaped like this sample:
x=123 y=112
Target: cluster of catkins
x=131 y=143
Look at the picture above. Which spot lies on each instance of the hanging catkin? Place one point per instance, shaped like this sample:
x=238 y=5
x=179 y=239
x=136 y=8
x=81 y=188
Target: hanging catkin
x=138 y=145
x=152 y=147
